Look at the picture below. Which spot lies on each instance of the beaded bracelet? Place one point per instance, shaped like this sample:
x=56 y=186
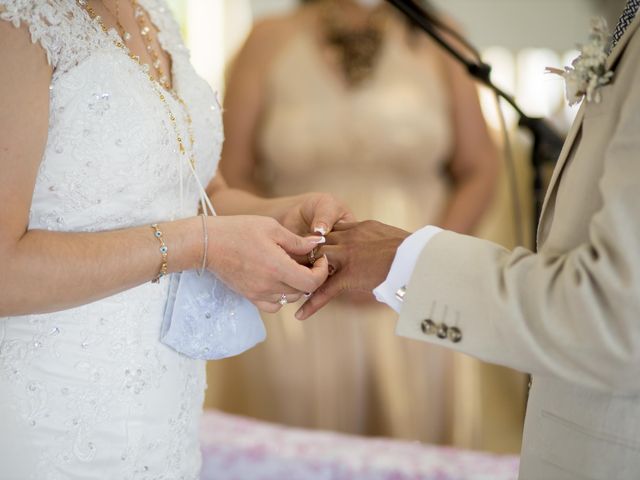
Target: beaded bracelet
x=205 y=244
x=164 y=250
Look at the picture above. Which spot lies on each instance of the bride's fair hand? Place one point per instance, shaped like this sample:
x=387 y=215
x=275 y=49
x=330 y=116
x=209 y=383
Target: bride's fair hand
x=252 y=255
x=315 y=213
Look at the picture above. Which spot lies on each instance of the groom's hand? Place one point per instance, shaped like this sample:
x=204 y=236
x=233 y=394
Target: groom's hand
x=361 y=255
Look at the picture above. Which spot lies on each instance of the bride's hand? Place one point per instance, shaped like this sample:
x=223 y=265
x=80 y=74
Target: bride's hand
x=314 y=213
x=252 y=255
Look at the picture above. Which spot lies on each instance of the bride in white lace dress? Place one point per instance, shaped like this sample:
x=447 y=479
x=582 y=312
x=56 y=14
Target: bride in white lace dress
x=102 y=119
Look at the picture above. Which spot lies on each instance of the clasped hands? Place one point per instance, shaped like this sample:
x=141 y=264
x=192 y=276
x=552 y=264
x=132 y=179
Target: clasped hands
x=315 y=249
x=359 y=255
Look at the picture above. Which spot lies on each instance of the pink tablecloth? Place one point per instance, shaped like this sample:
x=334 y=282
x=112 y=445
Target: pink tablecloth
x=236 y=448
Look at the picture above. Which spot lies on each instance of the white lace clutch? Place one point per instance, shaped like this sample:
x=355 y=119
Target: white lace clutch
x=206 y=320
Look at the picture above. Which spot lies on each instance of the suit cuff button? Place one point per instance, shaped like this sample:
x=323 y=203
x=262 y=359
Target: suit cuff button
x=455 y=335
x=428 y=327
x=442 y=331
x=400 y=294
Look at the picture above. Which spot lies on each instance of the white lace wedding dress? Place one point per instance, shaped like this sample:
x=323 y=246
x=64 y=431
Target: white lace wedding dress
x=90 y=392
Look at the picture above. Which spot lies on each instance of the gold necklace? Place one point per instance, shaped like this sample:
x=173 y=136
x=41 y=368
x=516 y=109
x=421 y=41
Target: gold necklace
x=126 y=36
x=358 y=50
x=154 y=85
x=145 y=31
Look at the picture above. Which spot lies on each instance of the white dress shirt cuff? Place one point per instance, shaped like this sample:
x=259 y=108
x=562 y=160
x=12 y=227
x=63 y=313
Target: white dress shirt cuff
x=402 y=267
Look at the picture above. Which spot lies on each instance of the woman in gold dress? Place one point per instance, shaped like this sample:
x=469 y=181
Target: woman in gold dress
x=344 y=96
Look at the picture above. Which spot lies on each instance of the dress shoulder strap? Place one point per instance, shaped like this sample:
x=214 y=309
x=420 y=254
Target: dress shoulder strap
x=61 y=27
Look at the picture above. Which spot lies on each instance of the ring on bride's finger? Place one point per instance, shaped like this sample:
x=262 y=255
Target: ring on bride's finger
x=311 y=256
x=283 y=300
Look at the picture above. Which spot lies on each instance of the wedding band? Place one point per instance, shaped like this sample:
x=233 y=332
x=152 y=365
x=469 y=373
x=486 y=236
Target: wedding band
x=283 y=300
x=311 y=256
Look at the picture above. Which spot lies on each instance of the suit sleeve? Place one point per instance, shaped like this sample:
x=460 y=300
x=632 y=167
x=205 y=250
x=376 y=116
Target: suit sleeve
x=574 y=315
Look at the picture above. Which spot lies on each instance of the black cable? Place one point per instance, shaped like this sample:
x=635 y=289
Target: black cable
x=444 y=27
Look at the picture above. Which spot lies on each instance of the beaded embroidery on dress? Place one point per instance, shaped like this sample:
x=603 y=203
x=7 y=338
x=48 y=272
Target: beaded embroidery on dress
x=90 y=392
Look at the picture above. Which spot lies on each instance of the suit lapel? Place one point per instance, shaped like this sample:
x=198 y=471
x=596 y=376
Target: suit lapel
x=614 y=56
x=555 y=177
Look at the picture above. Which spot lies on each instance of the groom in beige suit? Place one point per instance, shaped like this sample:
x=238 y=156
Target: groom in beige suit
x=570 y=314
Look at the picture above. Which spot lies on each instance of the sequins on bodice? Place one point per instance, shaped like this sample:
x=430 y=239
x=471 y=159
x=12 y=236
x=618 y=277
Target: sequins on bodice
x=90 y=392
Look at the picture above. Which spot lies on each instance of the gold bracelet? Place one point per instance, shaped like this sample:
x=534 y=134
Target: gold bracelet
x=164 y=250
x=205 y=244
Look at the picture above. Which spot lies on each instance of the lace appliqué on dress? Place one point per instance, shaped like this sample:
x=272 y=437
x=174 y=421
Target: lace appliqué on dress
x=208 y=321
x=55 y=26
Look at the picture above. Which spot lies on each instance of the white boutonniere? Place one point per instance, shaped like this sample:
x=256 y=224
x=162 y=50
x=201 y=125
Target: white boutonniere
x=588 y=71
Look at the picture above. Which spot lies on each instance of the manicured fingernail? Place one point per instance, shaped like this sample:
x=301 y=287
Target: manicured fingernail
x=321 y=229
x=299 y=314
x=318 y=240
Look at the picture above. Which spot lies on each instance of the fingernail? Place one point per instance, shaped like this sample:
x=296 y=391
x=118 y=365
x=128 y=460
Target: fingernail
x=318 y=240
x=321 y=229
x=299 y=314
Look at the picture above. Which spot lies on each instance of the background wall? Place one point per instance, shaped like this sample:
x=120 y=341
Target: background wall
x=518 y=24
x=515 y=24
x=512 y=23
x=519 y=37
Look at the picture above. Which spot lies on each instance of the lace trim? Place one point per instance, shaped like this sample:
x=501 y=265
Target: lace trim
x=168 y=29
x=68 y=35
x=169 y=35
x=62 y=29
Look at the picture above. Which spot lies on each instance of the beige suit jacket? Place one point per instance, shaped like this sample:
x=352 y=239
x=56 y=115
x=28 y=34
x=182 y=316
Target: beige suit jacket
x=570 y=315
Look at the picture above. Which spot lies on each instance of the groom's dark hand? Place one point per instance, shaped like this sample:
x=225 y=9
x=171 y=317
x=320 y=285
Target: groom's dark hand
x=361 y=255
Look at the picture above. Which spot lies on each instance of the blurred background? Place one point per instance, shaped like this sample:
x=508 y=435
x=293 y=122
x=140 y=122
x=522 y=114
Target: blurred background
x=481 y=406
x=516 y=36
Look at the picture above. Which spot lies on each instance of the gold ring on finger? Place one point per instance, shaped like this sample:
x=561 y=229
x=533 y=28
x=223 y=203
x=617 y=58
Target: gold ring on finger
x=311 y=256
